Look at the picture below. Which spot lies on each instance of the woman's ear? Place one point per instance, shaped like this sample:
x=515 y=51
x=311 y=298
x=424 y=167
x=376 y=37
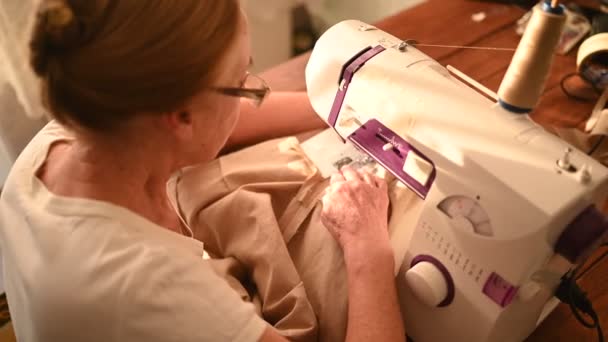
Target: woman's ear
x=180 y=124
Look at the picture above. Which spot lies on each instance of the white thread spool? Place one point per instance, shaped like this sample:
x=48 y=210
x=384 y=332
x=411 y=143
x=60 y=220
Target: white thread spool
x=590 y=60
x=525 y=79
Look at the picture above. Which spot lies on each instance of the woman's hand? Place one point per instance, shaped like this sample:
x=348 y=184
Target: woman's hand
x=355 y=210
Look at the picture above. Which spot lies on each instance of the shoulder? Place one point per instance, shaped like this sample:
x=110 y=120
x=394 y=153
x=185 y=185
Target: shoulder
x=34 y=154
x=170 y=291
x=183 y=299
x=139 y=288
x=52 y=132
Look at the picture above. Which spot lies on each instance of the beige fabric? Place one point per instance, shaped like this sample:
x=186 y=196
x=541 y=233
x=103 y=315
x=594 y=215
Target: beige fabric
x=84 y=270
x=259 y=209
x=234 y=205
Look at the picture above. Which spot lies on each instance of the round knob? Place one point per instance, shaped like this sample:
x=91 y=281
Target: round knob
x=430 y=282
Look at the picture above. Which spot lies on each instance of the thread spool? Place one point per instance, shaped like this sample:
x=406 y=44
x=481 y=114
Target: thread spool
x=592 y=60
x=525 y=79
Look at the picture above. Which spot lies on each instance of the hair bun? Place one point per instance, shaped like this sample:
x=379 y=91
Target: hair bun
x=58 y=14
x=59 y=23
x=56 y=30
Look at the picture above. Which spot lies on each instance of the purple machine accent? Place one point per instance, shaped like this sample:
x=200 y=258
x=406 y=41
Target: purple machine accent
x=349 y=70
x=449 y=298
x=373 y=136
x=499 y=290
x=581 y=234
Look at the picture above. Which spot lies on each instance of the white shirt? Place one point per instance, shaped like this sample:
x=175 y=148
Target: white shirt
x=86 y=270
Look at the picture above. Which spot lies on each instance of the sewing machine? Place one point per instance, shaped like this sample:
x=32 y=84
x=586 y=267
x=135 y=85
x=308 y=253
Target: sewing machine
x=508 y=207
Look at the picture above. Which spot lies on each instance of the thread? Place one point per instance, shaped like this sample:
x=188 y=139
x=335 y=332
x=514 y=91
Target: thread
x=472 y=82
x=525 y=79
x=464 y=47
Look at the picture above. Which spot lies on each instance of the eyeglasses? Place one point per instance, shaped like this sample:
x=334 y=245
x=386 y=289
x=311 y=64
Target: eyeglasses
x=253 y=88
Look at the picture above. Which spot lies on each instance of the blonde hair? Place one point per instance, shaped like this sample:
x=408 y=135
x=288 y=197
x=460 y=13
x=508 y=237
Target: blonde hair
x=103 y=61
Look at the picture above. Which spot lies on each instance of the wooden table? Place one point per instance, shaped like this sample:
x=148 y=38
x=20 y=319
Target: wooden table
x=449 y=22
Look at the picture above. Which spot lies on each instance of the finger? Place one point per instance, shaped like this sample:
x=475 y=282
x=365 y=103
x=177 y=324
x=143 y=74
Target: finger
x=350 y=174
x=368 y=178
x=328 y=201
x=325 y=200
x=381 y=183
x=326 y=216
x=337 y=177
x=331 y=227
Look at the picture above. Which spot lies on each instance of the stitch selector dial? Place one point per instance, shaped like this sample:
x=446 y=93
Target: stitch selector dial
x=466 y=214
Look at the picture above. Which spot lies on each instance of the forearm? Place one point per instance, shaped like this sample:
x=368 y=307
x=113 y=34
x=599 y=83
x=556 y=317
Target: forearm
x=373 y=309
x=282 y=114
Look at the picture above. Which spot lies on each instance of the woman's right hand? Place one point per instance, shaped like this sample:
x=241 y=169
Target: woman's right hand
x=355 y=211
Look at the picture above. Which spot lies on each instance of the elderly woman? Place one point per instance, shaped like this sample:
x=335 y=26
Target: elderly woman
x=92 y=247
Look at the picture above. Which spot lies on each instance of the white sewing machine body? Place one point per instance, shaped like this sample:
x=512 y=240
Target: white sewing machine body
x=496 y=202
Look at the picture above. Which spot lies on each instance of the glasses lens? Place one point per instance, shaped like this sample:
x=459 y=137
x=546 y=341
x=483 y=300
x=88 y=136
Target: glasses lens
x=254 y=82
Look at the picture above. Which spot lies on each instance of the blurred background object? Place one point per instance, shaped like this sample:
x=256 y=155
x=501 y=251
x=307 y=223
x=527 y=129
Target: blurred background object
x=522 y=3
x=281 y=29
x=21 y=114
x=330 y=12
